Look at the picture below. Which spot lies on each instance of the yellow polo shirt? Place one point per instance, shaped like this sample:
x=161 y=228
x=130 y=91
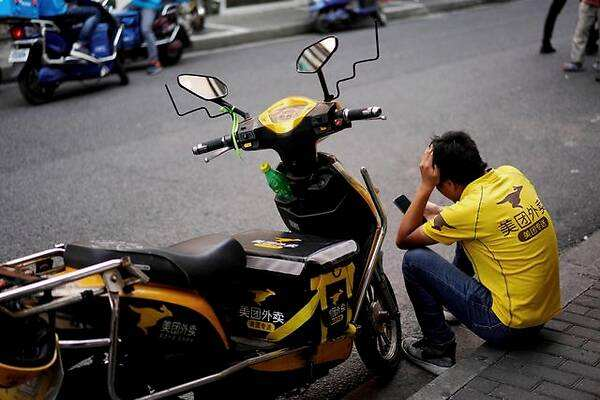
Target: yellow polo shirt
x=509 y=237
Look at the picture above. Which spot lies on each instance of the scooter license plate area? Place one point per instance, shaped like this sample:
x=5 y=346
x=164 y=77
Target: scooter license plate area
x=18 y=56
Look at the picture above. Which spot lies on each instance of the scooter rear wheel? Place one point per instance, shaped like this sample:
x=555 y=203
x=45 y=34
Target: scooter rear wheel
x=30 y=88
x=380 y=334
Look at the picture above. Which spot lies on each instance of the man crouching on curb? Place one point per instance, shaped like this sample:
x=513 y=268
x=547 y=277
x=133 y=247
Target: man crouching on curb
x=503 y=284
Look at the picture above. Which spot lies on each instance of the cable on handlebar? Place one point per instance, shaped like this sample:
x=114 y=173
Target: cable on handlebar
x=235 y=123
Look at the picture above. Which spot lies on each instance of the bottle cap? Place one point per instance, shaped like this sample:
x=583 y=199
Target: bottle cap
x=264 y=167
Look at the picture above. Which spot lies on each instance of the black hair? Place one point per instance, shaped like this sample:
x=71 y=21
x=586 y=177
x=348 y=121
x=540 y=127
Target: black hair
x=456 y=156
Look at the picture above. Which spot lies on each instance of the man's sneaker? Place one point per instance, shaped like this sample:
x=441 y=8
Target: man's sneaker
x=154 y=68
x=547 y=49
x=572 y=67
x=431 y=357
x=596 y=65
x=450 y=318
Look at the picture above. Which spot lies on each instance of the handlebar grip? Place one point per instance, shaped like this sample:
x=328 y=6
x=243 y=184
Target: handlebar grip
x=212 y=145
x=357 y=114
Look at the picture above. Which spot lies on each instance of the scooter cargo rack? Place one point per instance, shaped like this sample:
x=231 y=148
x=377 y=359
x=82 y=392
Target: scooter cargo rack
x=24 y=278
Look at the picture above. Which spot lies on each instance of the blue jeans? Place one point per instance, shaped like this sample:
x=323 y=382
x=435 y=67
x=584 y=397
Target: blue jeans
x=148 y=15
x=433 y=282
x=92 y=17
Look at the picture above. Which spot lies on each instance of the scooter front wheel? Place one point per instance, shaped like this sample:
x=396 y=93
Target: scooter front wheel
x=380 y=332
x=30 y=88
x=119 y=69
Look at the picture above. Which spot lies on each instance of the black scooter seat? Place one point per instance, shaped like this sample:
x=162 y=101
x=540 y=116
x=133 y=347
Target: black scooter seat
x=195 y=263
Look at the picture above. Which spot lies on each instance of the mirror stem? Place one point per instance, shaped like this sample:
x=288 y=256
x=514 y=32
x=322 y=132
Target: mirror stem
x=326 y=94
x=236 y=110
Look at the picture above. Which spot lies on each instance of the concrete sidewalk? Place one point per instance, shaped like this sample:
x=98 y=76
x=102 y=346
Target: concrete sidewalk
x=565 y=364
x=248 y=24
x=287 y=18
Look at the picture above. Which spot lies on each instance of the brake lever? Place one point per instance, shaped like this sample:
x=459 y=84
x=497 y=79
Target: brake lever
x=217 y=154
x=381 y=118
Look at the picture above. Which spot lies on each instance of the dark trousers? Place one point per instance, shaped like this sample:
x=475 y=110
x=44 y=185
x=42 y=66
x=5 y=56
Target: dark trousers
x=555 y=9
x=432 y=283
x=92 y=16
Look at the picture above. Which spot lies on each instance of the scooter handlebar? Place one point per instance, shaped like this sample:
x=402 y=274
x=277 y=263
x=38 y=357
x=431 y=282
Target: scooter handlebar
x=212 y=145
x=356 y=114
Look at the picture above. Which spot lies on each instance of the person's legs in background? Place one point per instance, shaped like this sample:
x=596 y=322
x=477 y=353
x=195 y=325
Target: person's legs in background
x=555 y=9
x=587 y=16
x=591 y=47
x=148 y=16
x=92 y=18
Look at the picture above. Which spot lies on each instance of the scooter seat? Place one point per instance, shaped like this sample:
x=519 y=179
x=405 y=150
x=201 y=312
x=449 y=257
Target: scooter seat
x=195 y=263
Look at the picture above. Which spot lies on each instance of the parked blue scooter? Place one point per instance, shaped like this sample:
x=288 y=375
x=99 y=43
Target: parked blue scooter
x=330 y=15
x=43 y=48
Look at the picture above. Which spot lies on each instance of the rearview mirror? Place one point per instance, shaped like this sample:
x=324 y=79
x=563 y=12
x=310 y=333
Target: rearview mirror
x=313 y=57
x=206 y=87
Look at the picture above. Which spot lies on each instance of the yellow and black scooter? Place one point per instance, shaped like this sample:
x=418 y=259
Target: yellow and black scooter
x=157 y=322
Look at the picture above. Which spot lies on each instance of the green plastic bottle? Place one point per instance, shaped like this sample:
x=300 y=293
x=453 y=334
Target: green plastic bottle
x=277 y=182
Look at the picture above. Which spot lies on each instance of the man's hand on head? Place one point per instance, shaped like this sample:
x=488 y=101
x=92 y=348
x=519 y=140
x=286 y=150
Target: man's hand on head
x=410 y=233
x=430 y=174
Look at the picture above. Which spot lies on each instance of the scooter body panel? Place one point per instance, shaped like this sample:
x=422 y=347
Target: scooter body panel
x=166 y=314
x=326 y=353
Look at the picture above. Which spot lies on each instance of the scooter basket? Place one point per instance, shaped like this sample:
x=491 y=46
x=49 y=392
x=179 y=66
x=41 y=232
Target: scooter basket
x=295 y=287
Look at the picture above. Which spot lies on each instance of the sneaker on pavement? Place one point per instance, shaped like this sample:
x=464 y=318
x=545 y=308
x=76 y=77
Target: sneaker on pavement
x=434 y=358
x=547 y=49
x=572 y=67
x=596 y=66
x=154 y=68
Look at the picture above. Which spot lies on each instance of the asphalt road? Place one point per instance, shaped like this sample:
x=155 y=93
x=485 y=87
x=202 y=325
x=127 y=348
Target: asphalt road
x=104 y=161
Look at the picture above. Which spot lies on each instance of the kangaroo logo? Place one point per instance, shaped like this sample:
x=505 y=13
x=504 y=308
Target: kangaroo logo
x=149 y=317
x=439 y=222
x=513 y=198
x=336 y=296
x=262 y=295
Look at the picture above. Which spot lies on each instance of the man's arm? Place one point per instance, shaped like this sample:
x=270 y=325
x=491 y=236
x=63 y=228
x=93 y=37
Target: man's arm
x=410 y=234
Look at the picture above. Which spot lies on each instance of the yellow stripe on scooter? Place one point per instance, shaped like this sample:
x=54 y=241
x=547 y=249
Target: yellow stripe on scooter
x=296 y=321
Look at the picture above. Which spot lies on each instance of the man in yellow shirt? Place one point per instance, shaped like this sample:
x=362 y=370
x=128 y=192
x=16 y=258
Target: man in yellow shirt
x=503 y=284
